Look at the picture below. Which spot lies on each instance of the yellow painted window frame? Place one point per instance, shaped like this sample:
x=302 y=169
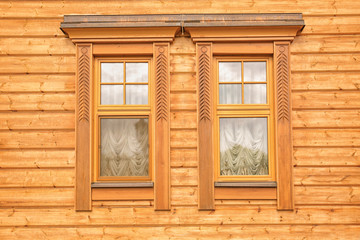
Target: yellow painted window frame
x=245 y=110
x=121 y=111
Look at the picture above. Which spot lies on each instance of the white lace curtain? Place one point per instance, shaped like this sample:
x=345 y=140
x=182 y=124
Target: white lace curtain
x=124 y=147
x=243 y=146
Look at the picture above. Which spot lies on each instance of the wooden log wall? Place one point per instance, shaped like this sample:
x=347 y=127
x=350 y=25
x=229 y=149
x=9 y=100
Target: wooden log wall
x=37 y=136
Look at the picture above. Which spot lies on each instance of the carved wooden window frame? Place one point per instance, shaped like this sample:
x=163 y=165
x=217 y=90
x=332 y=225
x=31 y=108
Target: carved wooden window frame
x=253 y=39
x=94 y=41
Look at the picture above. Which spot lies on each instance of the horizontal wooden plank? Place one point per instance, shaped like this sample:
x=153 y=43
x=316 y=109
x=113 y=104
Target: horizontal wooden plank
x=182 y=63
x=182 y=196
x=325 y=62
x=38 y=64
x=330 y=118
x=35 y=101
x=36 y=197
x=326 y=156
x=41 y=83
x=183 y=138
x=327 y=176
x=42 y=158
x=183 y=119
x=326 y=44
x=331 y=24
x=186 y=232
x=183 y=157
x=30 y=27
x=183 y=101
x=326 y=137
x=179 y=215
x=182 y=45
x=183 y=81
x=122 y=193
x=58 y=9
x=37 y=177
x=35 y=46
x=325 y=81
x=184 y=176
x=37 y=120
x=38 y=139
x=327 y=195
x=328 y=99
x=244 y=193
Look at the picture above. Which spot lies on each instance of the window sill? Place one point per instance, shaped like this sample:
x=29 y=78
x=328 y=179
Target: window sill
x=246 y=184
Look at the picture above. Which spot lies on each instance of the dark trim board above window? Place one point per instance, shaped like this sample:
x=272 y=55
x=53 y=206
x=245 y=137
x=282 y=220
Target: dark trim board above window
x=219 y=35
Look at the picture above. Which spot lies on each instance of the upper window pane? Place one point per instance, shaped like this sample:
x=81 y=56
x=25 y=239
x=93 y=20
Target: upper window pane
x=255 y=93
x=124 y=147
x=136 y=94
x=243 y=146
x=230 y=93
x=112 y=72
x=229 y=71
x=254 y=71
x=137 y=72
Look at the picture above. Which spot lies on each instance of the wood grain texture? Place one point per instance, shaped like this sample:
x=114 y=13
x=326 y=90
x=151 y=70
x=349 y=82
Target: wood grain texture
x=109 y=194
x=334 y=176
x=283 y=126
x=37 y=178
x=37 y=83
x=162 y=127
x=333 y=156
x=340 y=80
x=208 y=232
x=205 y=119
x=37 y=120
x=226 y=216
x=41 y=158
x=37 y=101
x=83 y=139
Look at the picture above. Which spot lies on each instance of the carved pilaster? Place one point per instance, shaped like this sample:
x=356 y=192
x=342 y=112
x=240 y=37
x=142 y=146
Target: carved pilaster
x=206 y=182
x=283 y=128
x=83 y=91
x=162 y=126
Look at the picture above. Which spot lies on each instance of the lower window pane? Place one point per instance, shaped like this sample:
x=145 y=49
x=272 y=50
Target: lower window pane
x=136 y=94
x=243 y=146
x=255 y=94
x=124 y=147
x=112 y=95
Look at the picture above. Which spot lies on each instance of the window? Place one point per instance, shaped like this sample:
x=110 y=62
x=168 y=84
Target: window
x=244 y=126
x=122 y=120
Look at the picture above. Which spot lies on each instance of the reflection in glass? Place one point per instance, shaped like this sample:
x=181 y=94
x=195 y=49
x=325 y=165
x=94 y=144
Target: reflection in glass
x=229 y=71
x=124 y=147
x=136 y=94
x=112 y=72
x=137 y=72
x=230 y=93
x=112 y=95
x=255 y=93
x=243 y=146
x=254 y=71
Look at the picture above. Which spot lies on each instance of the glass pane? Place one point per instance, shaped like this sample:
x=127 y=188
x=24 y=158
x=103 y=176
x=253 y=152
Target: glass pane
x=243 y=146
x=137 y=72
x=112 y=95
x=136 y=94
x=229 y=71
x=124 y=147
x=230 y=93
x=112 y=72
x=254 y=71
x=255 y=93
